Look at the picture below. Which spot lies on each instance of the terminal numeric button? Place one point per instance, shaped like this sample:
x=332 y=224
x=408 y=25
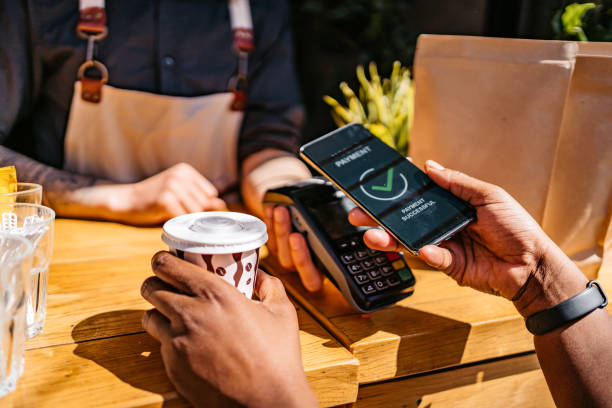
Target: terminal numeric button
x=355 y=268
x=392 y=281
x=369 y=288
x=386 y=271
x=361 y=278
x=361 y=254
x=368 y=263
x=374 y=274
x=347 y=258
x=381 y=285
x=380 y=259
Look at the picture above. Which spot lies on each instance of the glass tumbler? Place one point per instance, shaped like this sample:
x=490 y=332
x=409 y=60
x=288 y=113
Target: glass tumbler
x=15 y=264
x=26 y=193
x=34 y=222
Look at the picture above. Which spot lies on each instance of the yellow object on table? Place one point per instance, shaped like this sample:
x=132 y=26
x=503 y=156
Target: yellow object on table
x=8 y=183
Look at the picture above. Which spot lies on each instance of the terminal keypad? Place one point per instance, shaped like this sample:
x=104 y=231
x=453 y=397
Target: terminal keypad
x=373 y=271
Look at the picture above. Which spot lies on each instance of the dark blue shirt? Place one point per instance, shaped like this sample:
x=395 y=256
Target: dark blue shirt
x=169 y=47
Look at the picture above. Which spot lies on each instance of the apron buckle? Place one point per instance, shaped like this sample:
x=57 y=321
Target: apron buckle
x=92 y=23
x=238 y=86
x=91 y=87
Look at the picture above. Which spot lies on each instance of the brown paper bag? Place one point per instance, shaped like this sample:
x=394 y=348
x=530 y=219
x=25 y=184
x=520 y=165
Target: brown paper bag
x=595 y=48
x=494 y=109
x=578 y=204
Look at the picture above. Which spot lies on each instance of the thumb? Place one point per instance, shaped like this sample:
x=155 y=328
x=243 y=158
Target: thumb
x=467 y=188
x=270 y=289
x=437 y=257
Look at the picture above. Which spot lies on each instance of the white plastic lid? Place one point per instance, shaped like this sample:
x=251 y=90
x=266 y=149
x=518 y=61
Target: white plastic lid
x=215 y=232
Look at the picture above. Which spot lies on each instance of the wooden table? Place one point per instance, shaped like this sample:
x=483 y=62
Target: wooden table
x=444 y=346
x=93 y=351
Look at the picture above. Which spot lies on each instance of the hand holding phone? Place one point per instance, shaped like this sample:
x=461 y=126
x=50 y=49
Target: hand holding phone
x=497 y=253
x=388 y=187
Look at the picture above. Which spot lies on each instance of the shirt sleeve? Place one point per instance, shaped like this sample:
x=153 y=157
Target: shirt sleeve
x=16 y=67
x=273 y=114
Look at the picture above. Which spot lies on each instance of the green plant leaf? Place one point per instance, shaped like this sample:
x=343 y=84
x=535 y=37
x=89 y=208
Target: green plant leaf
x=572 y=19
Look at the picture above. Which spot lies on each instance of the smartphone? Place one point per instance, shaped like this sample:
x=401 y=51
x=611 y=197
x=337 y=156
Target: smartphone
x=388 y=187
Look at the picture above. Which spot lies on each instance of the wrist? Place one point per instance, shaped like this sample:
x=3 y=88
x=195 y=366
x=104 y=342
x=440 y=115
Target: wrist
x=555 y=279
x=268 y=169
x=299 y=397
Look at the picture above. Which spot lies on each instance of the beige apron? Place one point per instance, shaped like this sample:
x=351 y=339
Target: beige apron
x=125 y=136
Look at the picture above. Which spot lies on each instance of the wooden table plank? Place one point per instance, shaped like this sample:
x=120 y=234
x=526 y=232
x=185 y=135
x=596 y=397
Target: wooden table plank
x=82 y=240
x=441 y=325
x=506 y=383
x=92 y=300
x=126 y=370
x=91 y=349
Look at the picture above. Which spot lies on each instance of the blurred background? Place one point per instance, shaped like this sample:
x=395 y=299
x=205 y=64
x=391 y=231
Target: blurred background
x=332 y=37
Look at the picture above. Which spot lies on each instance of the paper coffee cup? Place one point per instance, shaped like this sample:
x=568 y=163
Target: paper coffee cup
x=225 y=243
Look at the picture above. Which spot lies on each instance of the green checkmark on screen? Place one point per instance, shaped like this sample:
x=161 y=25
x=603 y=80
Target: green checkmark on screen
x=388 y=185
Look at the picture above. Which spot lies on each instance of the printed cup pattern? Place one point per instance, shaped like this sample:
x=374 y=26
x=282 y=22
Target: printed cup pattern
x=238 y=269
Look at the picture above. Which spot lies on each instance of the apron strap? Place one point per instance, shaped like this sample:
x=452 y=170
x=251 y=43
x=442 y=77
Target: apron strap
x=92 y=28
x=242 y=28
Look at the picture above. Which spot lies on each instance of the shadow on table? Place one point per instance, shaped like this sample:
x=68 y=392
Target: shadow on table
x=420 y=341
x=133 y=356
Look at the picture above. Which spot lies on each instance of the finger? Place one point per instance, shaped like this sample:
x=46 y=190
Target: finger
x=463 y=186
x=270 y=290
x=437 y=257
x=282 y=229
x=208 y=203
x=202 y=183
x=206 y=186
x=171 y=205
x=380 y=240
x=215 y=204
x=192 y=200
x=164 y=298
x=157 y=325
x=359 y=218
x=185 y=276
x=269 y=220
x=300 y=254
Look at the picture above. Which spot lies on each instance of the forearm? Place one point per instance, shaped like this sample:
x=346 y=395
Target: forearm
x=268 y=169
x=577 y=358
x=69 y=194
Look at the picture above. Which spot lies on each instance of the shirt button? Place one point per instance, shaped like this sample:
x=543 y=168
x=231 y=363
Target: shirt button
x=168 y=61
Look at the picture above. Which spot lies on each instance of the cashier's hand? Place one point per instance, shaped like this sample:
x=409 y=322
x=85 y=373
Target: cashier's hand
x=212 y=335
x=496 y=254
x=291 y=248
x=178 y=190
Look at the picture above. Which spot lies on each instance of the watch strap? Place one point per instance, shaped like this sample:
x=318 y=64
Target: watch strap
x=593 y=297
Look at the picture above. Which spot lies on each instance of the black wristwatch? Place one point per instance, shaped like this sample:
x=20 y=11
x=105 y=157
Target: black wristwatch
x=593 y=297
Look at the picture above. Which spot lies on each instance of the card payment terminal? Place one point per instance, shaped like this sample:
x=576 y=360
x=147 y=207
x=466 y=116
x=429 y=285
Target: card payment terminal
x=368 y=279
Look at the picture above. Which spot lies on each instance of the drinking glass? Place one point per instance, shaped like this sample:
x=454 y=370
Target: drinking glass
x=15 y=264
x=34 y=222
x=26 y=193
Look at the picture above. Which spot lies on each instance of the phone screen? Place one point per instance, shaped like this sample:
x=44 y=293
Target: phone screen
x=384 y=183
